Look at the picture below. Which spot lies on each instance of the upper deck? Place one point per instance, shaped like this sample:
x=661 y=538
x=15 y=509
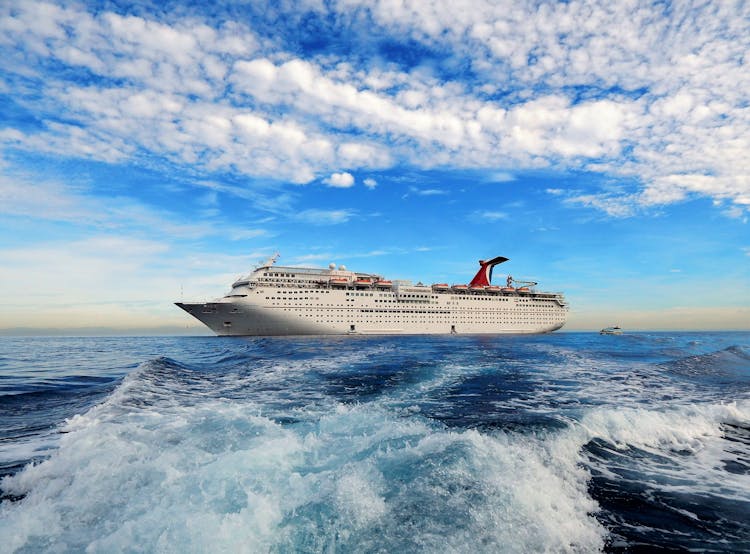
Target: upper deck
x=340 y=278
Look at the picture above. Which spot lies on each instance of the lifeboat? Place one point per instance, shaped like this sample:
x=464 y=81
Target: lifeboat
x=476 y=289
x=492 y=288
x=384 y=284
x=338 y=281
x=460 y=288
x=440 y=286
x=523 y=289
x=507 y=289
x=362 y=283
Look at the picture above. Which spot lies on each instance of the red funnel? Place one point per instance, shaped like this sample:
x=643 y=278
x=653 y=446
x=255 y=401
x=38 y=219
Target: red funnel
x=484 y=275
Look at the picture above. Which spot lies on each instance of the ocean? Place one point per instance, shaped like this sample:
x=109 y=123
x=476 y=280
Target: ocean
x=568 y=442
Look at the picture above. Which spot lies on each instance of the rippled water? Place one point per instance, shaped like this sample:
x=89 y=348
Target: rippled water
x=566 y=442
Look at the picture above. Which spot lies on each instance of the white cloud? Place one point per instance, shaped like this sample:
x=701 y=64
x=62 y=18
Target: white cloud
x=52 y=201
x=244 y=234
x=501 y=177
x=613 y=205
x=660 y=95
x=491 y=215
x=340 y=180
x=370 y=183
x=325 y=217
x=428 y=192
x=736 y=212
x=44 y=200
x=317 y=258
x=689 y=116
x=361 y=154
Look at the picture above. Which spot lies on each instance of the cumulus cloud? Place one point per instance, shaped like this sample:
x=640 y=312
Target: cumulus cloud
x=342 y=180
x=639 y=92
x=370 y=183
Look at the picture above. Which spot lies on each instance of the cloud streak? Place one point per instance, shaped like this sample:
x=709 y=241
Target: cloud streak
x=54 y=202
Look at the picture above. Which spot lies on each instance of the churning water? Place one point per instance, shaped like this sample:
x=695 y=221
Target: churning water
x=571 y=442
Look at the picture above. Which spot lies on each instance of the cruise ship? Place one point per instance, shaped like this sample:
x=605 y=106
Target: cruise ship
x=276 y=300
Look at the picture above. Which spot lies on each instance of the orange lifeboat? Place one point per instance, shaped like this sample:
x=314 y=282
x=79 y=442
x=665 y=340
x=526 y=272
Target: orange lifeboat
x=384 y=284
x=460 y=288
x=507 y=289
x=492 y=288
x=523 y=289
x=338 y=281
x=362 y=283
x=440 y=286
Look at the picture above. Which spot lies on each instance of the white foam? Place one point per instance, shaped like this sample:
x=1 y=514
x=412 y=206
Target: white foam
x=687 y=443
x=27 y=448
x=217 y=476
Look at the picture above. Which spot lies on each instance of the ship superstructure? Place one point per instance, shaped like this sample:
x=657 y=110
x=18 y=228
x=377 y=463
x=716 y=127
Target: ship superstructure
x=277 y=300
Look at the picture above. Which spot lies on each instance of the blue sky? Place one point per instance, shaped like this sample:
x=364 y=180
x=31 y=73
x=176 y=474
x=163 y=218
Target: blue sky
x=153 y=151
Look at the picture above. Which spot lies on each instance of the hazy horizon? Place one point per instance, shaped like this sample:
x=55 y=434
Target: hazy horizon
x=202 y=331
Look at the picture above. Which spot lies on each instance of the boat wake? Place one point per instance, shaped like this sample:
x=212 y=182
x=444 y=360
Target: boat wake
x=147 y=468
x=368 y=444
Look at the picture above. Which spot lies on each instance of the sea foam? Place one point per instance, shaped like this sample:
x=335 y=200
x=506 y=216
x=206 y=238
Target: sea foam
x=218 y=475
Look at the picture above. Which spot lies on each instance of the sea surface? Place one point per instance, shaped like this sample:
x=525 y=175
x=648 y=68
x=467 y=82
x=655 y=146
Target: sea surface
x=569 y=442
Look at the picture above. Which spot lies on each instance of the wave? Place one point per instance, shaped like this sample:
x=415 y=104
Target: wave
x=219 y=475
x=731 y=361
x=671 y=479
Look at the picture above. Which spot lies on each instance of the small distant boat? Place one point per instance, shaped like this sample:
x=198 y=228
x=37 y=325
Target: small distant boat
x=611 y=331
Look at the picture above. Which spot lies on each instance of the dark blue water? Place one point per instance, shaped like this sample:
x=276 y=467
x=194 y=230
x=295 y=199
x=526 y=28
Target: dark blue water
x=570 y=442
